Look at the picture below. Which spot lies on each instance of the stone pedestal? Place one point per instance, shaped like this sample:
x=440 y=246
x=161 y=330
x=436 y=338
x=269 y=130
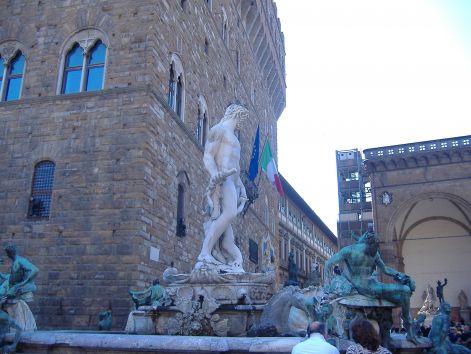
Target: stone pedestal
x=206 y=303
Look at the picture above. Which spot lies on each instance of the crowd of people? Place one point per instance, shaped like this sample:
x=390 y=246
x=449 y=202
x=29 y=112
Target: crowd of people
x=460 y=333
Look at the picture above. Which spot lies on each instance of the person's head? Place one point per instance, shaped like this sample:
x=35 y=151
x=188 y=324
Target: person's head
x=235 y=111
x=364 y=333
x=10 y=250
x=439 y=282
x=156 y=282
x=315 y=327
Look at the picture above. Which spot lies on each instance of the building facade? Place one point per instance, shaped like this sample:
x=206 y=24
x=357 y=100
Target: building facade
x=354 y=193
x=304 y=234
x=104 y=111
x=422 y=212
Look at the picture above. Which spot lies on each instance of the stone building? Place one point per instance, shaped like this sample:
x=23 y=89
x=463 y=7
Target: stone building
x=354 y=193
x=302 y=232
x=104 y=111
x=421 y=199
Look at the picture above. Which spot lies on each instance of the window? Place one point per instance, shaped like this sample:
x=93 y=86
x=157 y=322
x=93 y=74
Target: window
x=176 y=86
x=253 y=251
x=183 y=187
x=224 y=33
x=84 y=71
x=181 y=227
x=351 y=176
x=41 y=191
x=238 y=60
x=11 y=77
x=202 y=121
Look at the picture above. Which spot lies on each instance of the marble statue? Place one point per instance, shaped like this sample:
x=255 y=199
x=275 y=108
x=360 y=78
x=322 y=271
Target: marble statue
x=225 y=195
x=440 y=287
x=463 y=300
x=19 y=283
x=359 y=262
x=152 y=296
x=429 y=307
x=169 y=273
x=438 y=334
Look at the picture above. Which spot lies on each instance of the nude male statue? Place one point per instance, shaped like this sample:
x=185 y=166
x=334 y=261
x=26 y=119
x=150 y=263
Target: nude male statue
x=360 y=260
x=225 y=194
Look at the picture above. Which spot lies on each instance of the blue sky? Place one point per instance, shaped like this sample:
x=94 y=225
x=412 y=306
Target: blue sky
x=364 y=74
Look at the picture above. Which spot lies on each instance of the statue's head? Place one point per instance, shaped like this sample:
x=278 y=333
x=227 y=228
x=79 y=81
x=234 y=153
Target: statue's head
x=235 y=111
x=371 y=240
x=10 y=250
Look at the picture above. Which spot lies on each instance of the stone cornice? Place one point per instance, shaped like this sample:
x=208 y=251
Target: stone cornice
x=419 y=154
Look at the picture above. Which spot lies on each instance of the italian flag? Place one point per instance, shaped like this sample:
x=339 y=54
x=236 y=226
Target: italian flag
x=268 y=165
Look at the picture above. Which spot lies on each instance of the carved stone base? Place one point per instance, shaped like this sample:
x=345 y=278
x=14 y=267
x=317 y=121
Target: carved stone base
x=206 y=303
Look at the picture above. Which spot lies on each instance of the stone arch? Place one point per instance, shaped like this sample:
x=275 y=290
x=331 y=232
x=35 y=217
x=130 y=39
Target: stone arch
x=9 y=49
x=431 y=237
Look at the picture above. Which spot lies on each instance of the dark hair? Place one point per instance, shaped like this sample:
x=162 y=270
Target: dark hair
x=364 y=333
x=315 y=327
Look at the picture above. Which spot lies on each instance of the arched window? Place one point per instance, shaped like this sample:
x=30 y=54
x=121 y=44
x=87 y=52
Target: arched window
x=176 y=87
x=84 y=69
x=96 y=67
x=181 y=227
x=183 y=188
x=11 y=77
x=238 y=60
x=41 y=190
x=224 y=33
x=202 y=121
x=73 y=70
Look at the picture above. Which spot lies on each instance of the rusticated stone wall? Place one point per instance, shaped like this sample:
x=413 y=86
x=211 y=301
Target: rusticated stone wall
x=120 y=151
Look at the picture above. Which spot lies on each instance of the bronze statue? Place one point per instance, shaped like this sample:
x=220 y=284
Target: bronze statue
x=152 y=296
x=438 y=334
x=19 y=284
x=292 y=271
x=6 y=323
x=440 y=287
x=359 y=262
x=105 y=319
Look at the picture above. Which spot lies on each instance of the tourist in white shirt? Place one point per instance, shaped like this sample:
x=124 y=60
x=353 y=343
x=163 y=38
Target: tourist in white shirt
x=315 y=342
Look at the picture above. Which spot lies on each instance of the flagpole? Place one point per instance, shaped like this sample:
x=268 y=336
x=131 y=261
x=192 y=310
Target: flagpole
x=263 y=149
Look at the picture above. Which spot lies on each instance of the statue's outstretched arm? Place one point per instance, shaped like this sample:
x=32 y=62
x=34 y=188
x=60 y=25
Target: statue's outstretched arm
x=140 y=292
x=386 y=269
